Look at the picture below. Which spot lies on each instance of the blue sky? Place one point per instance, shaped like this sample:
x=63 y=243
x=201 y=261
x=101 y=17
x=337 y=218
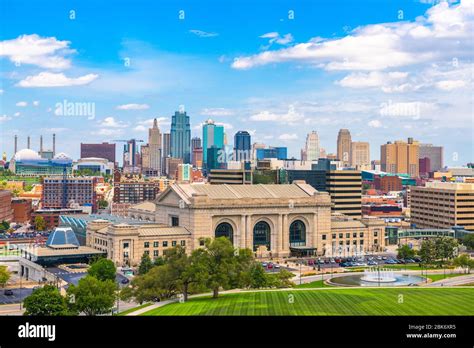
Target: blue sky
x=386 y=70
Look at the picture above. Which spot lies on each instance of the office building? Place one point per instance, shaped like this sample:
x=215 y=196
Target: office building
x=312 y=149
x=280 y=153
x=435 y=155
x=344 y=144
x=242 y=146
x=132 y=189
x=400 y=157
x=360 y=155
x=166 y=151
x=425 y=167
x=180 y=138
x=184 y=173
x=230 y=176
x=172 y=166
x=196 y=143
x=71 y=192
x=154 y=146
x=197 y=157
x=215 y=158
x=22 y=209
x=212 y=136
x=442 y=205
x=345 y=189
x=104 y=150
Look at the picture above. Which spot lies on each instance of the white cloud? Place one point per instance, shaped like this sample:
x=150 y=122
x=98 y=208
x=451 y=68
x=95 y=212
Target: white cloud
x=213 y=112
x=21 y=104
x=443 y=31
x=449 y=85
x=133 y=107
x=1 y=91
x=16 y=114
x=45 y=52
x=111 y=122
x=201 y=33
x=5 y=118
x=372 y=79
x=144 y=125
x=275 y=37
x=288 y=137
x=36 y=103
x=108 y=132
x=375 y=124
x=290 y=117
x=47 y=79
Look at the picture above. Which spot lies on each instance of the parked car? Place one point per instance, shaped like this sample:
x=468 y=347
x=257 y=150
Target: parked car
x=410 y=261
x=384 y=257
x=379 y=258
x=277 y=266
x=345 y=264
x=264 y=264
x=332 y=261
x=8 y=292
x=270 y=265
x=372 y=263
x=310 y=262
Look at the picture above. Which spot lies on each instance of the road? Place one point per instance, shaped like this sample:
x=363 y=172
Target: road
x=461 y=280
x=18 y=294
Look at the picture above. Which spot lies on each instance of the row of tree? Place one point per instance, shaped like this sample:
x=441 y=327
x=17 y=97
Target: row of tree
x=215 y=267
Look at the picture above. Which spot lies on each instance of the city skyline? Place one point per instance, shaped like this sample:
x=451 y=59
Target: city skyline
x=266 y=81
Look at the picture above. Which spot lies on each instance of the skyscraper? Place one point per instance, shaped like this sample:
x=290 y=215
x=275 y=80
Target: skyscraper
x=400 y=157
x=180 y=138
x=154 y=144
x=344 y=143
x=212 y=135
x=434 y=153
x=312 y=146
x=195 y=143
x=104 y=150
x=166 y=151
x=360 y=154
x=242 y=146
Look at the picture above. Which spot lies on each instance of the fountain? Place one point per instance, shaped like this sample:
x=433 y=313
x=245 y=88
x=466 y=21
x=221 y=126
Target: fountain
x=378 y=275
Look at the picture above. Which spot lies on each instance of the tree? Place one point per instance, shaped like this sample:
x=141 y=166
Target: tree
x=468 y=241
x=92 y=296
x=4 y=276
x=159 y=261
x=219 y=261
x=158 y=283
x=405 y=252
x=281 y=279
x=428 y=251
x=45 y=301
x=445 y=248
x=145 y=264
x=257 y=277
x=103 y=204
x=103 y=269
x=40 y=224
x=464 y=261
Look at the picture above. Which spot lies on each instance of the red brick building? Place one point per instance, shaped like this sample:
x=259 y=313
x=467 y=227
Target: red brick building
x=6 y=211
x=22 y=210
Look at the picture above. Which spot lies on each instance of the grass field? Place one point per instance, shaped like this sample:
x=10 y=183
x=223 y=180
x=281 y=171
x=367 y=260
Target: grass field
x=134 y=309
x=436 y=277
x=416 y=302
x=312 y=285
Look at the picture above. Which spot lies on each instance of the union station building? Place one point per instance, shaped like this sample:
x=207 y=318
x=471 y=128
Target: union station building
x=272 y=220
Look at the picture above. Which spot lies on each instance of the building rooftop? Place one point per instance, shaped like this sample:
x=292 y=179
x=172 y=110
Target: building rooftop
x=148 y=206
x=295 y=190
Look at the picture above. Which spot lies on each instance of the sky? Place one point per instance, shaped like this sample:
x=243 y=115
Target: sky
x=94 y=71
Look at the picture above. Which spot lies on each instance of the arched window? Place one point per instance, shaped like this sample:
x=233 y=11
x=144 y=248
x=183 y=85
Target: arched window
x=225 y=230
x=261 y=235
x=297 y=233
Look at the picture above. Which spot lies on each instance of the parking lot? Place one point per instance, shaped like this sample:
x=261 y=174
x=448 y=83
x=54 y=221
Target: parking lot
x=18 y=295
x=73 y=278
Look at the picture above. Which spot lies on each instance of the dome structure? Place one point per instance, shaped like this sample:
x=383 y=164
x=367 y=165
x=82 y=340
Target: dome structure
x=27 y=155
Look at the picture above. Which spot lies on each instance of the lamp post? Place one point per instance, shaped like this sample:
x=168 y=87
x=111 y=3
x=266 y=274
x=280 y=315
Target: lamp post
x=300 y=271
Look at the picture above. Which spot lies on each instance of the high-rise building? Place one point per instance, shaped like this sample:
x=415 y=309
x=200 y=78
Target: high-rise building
x=133 y=189
x=172 y=166
x=180 y=138
x=360 y=154
x=195 y=143
x=280 y=153
x=154 y=144
x=345 y=189
x=442 y=205
x=70 y=192
x=344 y=144
x=312 y=149
x=145 y=154
x=435 y=154
x=104 y=150
x=197 y=157
x=212 y=135
x=425 y=165
x=166 y=151
x=242 y=146
x=400 y=157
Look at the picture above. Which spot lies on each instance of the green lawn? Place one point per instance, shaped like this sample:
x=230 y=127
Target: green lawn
x=134 y=309
x=436 y=277
x=416 y=302
x=315 y=284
